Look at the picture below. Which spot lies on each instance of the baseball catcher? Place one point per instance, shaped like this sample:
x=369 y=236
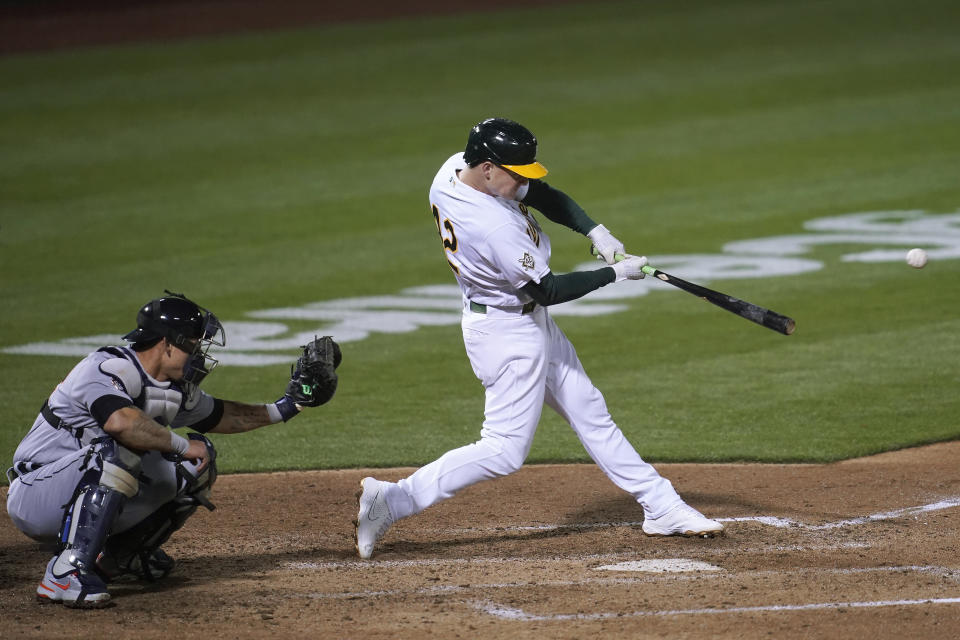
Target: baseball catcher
x=102 y=474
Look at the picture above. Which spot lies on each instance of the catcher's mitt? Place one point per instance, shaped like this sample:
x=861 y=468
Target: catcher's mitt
x=313 y=378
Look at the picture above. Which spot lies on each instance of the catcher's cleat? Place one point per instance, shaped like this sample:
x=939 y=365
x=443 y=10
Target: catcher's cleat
x=158 y=565
x=74 y=588
x=682 y=520
x=373 y=516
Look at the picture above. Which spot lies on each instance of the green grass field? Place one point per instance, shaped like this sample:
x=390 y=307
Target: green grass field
x=261 y=171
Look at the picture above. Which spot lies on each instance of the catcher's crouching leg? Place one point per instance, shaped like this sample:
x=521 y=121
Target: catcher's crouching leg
x=136 y=552
x=71 y=576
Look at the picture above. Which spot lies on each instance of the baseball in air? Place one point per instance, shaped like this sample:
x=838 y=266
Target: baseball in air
x=917 y=258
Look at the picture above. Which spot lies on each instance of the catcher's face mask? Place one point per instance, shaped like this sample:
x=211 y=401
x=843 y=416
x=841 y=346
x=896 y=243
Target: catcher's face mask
x=199 y=364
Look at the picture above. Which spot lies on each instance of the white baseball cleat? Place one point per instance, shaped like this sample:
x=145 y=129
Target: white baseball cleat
x=373 y=515
x=682 y=520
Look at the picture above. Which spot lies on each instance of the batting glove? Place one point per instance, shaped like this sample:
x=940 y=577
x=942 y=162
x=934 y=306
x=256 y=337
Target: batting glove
x=630 y=268
x=607 y=246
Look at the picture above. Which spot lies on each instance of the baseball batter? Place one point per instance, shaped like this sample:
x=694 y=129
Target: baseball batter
x=101 y=476
x=500 y=256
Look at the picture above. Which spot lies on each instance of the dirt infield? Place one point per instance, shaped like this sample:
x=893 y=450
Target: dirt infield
x=863 y=548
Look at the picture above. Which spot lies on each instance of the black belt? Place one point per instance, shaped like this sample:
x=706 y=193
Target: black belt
x=52 y=419
x=23 y=468
x=476 y=307
x=56 y=422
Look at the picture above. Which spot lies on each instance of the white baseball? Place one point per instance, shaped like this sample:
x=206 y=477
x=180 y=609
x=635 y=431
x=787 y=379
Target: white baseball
x=916 y=258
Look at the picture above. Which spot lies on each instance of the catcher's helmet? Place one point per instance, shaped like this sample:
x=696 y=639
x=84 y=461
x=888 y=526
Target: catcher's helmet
x=505 y=143
x=184 y=324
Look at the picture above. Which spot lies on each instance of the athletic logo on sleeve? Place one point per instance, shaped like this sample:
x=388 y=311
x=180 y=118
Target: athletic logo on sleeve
x=526 y=261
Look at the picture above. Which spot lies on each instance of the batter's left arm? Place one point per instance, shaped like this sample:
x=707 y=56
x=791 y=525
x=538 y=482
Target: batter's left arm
x=558 y=207
x=561 y=208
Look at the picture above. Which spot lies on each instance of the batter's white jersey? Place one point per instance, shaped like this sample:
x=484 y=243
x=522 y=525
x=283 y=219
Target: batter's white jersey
x=494 y=245
x=521 y=356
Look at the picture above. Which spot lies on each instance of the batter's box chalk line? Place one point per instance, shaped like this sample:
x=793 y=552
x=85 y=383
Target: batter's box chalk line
x=784 y=523
x=692 y=573
x=773 y=521
x=577 y=558
x=510 y=613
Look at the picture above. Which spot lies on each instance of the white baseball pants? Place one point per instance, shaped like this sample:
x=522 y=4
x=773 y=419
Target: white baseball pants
x=524 y=361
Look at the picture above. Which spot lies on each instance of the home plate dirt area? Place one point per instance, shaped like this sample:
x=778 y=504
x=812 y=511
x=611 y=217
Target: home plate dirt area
x=862 y=548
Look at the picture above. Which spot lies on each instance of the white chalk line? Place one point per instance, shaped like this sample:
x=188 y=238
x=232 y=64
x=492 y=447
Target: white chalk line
x=518 y=614
x=943 y=572
x=876 y=517
x=768 y=520
x=510 y=613
x=429 y=562
x=772 y=521
x=573 y=558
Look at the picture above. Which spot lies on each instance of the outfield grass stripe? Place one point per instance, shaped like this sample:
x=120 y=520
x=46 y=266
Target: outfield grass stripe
x=277 y=169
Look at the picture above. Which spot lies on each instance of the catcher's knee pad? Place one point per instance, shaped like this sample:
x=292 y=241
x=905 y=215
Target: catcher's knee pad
x=193 y=484
x=121 y=468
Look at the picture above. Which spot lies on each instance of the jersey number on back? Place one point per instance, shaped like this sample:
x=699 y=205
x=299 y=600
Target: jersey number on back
x=449 y=244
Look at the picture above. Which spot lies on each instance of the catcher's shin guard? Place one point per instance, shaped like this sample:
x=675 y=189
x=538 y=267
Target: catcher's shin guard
x=92 y=512
x=89 y=519
x=137 y=551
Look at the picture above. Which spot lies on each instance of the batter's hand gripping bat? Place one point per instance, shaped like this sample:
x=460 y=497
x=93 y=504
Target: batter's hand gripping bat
x=753 y=313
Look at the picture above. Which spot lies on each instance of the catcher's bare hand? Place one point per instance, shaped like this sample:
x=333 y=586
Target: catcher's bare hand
x=197 y=452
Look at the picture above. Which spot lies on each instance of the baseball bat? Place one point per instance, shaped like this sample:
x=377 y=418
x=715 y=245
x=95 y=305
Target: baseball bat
x=752 y=312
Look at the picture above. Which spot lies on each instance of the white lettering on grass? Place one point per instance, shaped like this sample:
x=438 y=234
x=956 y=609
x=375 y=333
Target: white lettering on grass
x=268 y=338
